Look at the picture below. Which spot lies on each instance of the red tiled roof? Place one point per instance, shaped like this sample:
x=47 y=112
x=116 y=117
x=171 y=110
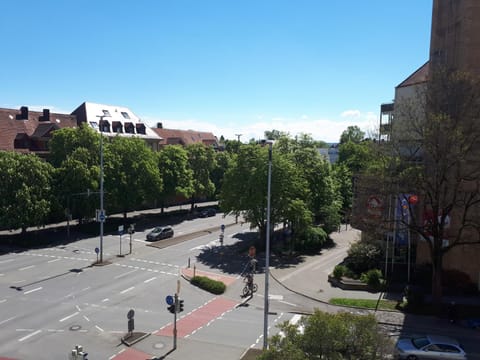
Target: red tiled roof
x=185 y=137
x=10 y=126
x=418 y=77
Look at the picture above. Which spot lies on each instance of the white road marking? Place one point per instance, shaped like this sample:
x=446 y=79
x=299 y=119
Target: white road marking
x=30 y=291
x=106 y=299
x=151 y=279
x=142 y=241
x=99 y=328
x=26 y=267
x=127 y=290
x=7 y=320
x=51 y=261
x=2 y=274
x=78 y=308
x=29 y=335
x=5 y=261
x=287 y=303
x=125 y=274
x=2 y=301
x=86 y=318
x=68 y=317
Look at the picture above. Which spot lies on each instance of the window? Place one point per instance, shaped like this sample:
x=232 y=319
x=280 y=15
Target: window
x=94 y=125
x=125 y=115
x=106 y=113
x=117 y=127
x=129 y=128
x=140 y=128
x=104 y=126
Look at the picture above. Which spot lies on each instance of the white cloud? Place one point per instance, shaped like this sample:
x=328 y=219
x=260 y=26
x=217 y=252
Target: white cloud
x=351 y=113
x=328 y=130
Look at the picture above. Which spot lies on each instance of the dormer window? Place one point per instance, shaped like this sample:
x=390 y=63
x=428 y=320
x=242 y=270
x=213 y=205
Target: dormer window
x=140 y=128
x=106 y=113
x=129 y=128
x=125 y=115
x=117 y=127
x=104 y=126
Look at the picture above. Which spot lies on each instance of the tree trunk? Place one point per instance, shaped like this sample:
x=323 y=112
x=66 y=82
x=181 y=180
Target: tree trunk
x=437 y=280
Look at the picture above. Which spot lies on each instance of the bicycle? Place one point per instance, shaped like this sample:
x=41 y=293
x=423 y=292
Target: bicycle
x=250 y=287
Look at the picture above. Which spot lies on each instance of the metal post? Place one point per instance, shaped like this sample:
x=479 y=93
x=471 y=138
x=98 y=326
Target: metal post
x=175 y=323
x=102 y=212
x=267 y=252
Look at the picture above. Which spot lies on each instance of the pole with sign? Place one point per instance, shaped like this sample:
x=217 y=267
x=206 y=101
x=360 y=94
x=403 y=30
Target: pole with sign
x=120 y=232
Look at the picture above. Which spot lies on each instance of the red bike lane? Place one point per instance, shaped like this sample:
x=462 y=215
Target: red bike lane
x=199 y=317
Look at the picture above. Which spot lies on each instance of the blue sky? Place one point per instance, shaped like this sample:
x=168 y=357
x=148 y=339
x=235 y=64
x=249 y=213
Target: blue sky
x=225 y=66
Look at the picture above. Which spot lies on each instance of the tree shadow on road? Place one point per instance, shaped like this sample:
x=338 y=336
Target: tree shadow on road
x=234 y=258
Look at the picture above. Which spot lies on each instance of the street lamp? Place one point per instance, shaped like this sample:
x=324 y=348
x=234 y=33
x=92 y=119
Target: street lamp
x=102 y=212
x=267 y=249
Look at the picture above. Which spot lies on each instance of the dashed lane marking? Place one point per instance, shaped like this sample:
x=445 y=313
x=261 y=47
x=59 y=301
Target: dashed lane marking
x=29 y=335
x=33 y=290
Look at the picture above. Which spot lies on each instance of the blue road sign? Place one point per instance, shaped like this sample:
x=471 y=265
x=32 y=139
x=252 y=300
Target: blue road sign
x=169 y=299
x=97 y=250
x=222 y=227
x=102 y=217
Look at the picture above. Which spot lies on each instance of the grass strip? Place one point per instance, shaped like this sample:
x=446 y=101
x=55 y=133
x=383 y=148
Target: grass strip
x=365 y=303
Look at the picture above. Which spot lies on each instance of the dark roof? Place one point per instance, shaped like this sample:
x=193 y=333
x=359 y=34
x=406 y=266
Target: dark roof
x=34 y=125
x=419 y=76
x=185 y=137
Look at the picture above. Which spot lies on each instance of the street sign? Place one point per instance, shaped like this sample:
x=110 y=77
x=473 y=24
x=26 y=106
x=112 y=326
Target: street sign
x=120 y=230
x=97 y=250
x=169 y=300
x=101 y=217
x=222 y=227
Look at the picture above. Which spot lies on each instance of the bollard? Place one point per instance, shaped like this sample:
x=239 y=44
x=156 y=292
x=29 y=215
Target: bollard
x=189 y=263
x=194 y=268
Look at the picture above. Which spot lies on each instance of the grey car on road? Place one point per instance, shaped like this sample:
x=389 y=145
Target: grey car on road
x=429 y=347
x=160 y=232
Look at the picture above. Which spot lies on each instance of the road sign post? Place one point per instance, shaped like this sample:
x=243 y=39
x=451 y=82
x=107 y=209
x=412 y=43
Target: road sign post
x=120 y=232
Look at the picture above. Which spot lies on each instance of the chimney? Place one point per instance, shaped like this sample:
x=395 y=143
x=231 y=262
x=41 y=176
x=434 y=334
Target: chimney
x=45 y=116
x=23 y=113
x=159 y=125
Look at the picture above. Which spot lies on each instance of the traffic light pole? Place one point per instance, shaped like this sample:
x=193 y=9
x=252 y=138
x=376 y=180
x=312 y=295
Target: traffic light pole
x=175 y=322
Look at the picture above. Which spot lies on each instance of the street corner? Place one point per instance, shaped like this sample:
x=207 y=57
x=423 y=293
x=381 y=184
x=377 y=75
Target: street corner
x=189 y=273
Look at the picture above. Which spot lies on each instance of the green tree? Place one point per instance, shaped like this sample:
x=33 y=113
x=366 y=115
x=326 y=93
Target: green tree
x=352 y=134
x=202 y=161
x=25 y=190
x=66 y=141
x=330 y=336
x=72 y=181
x=175 y=172
x=131 y=173
x=223 y=161
x=244 y=187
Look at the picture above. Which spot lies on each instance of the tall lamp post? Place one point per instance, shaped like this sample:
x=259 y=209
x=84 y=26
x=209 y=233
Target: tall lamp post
x=267 y=250
x=102 y=211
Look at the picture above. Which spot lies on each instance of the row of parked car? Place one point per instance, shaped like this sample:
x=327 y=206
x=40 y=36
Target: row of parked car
x=165 y=232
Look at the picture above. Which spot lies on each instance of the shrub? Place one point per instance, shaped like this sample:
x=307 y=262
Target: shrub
x=210 y=285
x=339 y=271
x=313 y=239
x=373 y=278
x=363 y=256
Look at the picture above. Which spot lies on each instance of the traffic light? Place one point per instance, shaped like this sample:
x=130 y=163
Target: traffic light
x=171 y=308
x=180 y=305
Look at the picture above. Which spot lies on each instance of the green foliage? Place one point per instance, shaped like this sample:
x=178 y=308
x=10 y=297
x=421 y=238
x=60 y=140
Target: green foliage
x=363 y=256
x=339 y=271
x=313 y=239
x=366 y=303
x=201 y=160
x=131 y=173
x=330 y=336
x=210 y=285
x=372 y=278
x=352 y=134
x=174 y=169
x=25 y=190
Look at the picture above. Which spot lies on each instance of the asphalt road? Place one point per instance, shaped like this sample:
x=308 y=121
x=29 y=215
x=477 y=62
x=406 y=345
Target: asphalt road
x=53 y=298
